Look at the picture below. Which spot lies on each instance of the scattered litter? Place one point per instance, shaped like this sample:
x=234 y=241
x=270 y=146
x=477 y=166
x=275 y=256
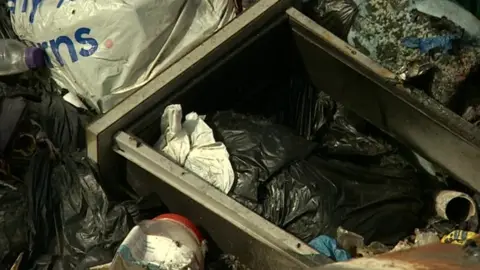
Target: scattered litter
x=350 y=241
x=355 y=246
x=441 y=226
x=226 y=262
x=425 y=45
x=423 y=238
x=375 y=248
x=74 y=100
x=402 y=245
x=458 y=237
x=472 y=248
x=67 y=204
x=16 y=57
x=193 y=146
x=328 y=247
x=168 y=242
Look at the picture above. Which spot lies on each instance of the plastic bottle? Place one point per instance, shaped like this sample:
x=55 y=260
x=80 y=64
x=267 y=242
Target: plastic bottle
x=16 y=57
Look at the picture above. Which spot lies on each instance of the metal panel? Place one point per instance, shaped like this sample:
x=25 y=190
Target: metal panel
x=234 y=228
x=367 y=88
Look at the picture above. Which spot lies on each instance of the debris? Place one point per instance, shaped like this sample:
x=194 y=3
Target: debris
x=402 y=245
x=193 y=146
x=426 y=45
x=18 y=57
x=472 y=248
x=375 y=248
x=378 y=27
x=458 y=237
x=328 y=247
x=226 y=262
x=441 y=226
x=69 y=213
x=350 y=241
x=311 y=189
x=423 y=238
x=169 y=242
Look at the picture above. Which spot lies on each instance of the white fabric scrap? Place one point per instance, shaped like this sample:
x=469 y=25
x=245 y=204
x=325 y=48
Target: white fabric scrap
x=193 y=146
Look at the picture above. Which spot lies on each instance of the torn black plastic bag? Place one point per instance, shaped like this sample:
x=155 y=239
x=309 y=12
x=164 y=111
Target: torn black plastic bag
x=375 y=179
x=13 y=225
x=295 y=200
x=258 y=149
x=314 y=195
x=63 y=124
x=343 y=141
x=381 y=204
x=309 y=110
x=72 y=224
x=335 y=15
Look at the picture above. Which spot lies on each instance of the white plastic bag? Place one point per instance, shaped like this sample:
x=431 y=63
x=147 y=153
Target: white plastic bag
x=207 y=158
x=174 y=140
x=193 y=146
x=102 y=50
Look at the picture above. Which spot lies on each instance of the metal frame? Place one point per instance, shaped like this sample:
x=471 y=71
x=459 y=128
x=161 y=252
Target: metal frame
x=369 y=90
x=100 y=133
x=428 y=128
x=284 y=245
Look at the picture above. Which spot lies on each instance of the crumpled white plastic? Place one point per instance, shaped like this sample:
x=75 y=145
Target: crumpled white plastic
x=105 y=50
x=143 y=250
x=174 y=140
x=193 y=146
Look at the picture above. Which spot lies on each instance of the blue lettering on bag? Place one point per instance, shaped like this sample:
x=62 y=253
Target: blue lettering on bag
x=35 y=4
x=80 y=37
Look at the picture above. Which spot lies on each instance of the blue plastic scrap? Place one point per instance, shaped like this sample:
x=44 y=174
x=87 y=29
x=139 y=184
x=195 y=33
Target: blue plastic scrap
x=430 y=43
x=328 y=247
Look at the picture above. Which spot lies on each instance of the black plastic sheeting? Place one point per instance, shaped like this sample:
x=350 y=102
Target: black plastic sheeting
x=53 y=206
x=69 y=208
x=312 y=188
x=13 y=225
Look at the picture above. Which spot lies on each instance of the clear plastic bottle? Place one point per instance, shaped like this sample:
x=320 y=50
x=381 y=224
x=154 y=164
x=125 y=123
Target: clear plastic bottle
x=16 y=57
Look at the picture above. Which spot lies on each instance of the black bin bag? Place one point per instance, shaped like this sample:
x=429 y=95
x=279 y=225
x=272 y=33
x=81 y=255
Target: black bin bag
x=13 y=216
x=258 y=149
x=72 y=223
x=310 y=189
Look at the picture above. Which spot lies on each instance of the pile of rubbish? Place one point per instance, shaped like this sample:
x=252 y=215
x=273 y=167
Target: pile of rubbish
x=431 y=45
x=54 y=209
x=336 y=191
x=314 y=170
